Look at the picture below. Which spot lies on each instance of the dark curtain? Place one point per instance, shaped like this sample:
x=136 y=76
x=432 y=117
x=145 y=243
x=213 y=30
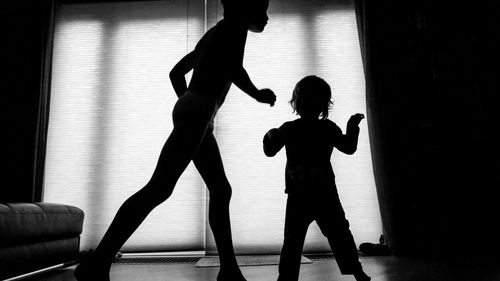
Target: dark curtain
x=25 y=35
x=432 y=92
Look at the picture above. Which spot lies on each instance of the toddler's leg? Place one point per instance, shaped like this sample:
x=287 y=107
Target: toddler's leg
x=209 y=163
x=174 y=158
x=297 y=222
x=331 y=220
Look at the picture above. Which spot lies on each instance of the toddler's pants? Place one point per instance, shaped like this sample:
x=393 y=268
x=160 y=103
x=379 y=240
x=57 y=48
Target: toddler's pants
x=323 y=207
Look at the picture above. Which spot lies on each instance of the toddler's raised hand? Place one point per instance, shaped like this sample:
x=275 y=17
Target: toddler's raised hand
x=355 y=119
x=266 y=96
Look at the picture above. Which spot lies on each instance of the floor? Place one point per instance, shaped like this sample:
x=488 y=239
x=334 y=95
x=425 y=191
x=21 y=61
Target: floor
x=387 y=268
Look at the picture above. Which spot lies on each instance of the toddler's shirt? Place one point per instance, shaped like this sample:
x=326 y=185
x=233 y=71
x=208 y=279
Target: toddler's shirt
x=309 y=145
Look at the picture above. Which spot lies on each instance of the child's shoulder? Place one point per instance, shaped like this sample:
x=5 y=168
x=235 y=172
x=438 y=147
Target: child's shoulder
x=299 y=123
x=286 y=126
x=291 y=124
x=332 y=126
x=328 y=122
x=319 y=122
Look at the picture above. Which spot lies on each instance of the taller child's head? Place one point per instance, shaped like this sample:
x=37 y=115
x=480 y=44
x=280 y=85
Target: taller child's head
x=254 y=12
x=311 y=98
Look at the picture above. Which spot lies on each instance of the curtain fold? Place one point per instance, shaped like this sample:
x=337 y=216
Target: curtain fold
x=26 y=29
x=43 y=102
x=376 y=33
x=364 y=23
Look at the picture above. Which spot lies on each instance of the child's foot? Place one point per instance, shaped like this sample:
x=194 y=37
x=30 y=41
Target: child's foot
x=361 y=276
x=90 y=269
x=230 y=275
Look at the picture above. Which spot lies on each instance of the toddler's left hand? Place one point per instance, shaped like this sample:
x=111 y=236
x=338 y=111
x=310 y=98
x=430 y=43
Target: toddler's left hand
x=355 y=119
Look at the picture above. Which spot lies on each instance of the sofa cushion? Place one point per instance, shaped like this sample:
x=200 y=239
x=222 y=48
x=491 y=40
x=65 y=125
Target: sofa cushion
x=25 y=223
x=22 y=259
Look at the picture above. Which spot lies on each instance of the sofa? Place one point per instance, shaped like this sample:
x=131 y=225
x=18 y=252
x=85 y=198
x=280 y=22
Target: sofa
x=36 y=236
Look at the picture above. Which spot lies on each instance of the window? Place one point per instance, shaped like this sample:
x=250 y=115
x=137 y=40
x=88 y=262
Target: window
x=110 y=113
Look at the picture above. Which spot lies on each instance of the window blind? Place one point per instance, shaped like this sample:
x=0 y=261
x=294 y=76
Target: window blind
x=110 y=114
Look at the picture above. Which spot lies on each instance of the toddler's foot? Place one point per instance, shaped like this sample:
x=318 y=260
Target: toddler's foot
x=361 y=276
x=90 y=269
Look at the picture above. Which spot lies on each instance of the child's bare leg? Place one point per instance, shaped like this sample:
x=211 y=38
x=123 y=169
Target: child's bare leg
x=209 y=163
x=174 y=158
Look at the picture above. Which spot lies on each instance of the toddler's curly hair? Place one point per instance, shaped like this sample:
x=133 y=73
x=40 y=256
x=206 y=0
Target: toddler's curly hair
x=312 y=97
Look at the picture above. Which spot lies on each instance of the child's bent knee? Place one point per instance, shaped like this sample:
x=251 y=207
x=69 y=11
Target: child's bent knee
x=156 y=191
x=221 y=193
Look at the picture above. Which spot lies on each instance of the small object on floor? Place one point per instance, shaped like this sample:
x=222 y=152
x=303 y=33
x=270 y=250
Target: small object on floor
x=370 y=249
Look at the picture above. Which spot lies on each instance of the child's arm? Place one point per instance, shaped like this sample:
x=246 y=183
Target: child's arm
x=348 y=143
x=178 y=72
x=241 y=79
x=274 y=140
x=232 y=50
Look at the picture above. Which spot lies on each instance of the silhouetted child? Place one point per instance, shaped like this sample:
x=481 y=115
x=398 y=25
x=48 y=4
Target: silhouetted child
x=217 y=62
x=309 y=178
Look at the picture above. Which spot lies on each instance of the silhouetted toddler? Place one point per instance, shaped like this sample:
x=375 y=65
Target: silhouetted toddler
x=309 y=178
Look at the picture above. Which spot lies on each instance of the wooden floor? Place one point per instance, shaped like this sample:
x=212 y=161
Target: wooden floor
x=379 y=268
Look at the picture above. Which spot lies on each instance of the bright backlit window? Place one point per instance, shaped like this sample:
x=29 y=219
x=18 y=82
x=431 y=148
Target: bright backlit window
x=110 y=113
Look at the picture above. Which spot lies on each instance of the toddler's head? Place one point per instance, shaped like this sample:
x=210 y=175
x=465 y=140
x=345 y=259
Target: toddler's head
x=311 y=98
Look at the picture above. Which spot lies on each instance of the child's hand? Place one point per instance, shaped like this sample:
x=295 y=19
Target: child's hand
x=355 y=119
x=266 y=96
